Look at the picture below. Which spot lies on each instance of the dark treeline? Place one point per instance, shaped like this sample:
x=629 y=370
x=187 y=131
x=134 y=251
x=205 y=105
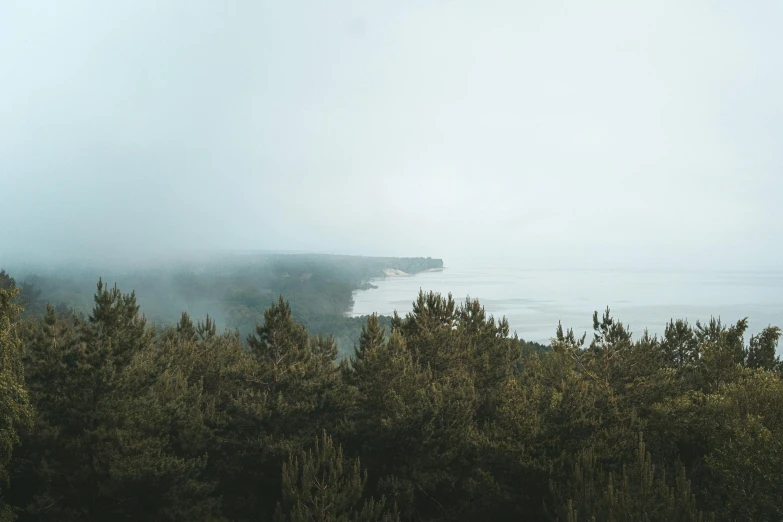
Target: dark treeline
x=441 y=417
x=233 y=289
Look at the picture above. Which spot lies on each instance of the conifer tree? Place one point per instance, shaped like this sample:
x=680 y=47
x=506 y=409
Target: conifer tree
x=388 y=386
x=428 y=331
x=679 y=344
x=371 y=337
x=302 y=385
x=722 y=351
x=110 y=438
x=27 y=296
x=280 y=344
x=185 y=328
x=232 y=408
x=207 y=329
x=51 y=366
x=396 y=322
x=492 y=356
x=322 y=486
x=6 y=281
x=743 y=430
x=763 y=348
x=638 y=492
x=610 y=347
x=15 y=410
x=418 y=404
x=297 y=371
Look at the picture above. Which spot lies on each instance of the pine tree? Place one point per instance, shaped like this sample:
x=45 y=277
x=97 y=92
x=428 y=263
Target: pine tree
x=7 y=282
x=639 y=492
x=722 y=351
x=322 y=486
x=611 y=345
x=371 y=337
x=298 y=373
x=15 y=410
x=48 y=371
x=280 y=345
x=428 y=330
x=302 y=385
x=679 y=345
x=232 y=408
x=185 y=329
x=762 y=352
x=117 y=434
x=743 y=465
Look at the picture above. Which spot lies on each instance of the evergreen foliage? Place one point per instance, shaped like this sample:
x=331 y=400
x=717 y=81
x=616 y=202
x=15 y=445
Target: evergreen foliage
x=107 y=418
x=638 y=492
x=15 y=411
x=322 y=486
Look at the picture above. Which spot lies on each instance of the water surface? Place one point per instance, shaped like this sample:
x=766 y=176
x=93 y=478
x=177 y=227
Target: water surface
x=535 y=300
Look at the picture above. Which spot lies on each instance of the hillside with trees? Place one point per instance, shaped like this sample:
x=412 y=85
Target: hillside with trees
x=442 y=416
x=233 y=289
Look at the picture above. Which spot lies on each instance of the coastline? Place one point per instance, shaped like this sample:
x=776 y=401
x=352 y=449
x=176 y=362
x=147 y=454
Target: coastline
x=387 y=274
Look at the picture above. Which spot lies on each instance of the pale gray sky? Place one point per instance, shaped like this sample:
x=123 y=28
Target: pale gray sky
x=587 y=133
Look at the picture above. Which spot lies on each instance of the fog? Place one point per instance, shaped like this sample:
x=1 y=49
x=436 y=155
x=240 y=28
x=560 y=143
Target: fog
x=542 y=133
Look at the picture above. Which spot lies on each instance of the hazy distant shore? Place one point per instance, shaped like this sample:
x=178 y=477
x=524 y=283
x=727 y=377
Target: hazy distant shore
x=388 y=273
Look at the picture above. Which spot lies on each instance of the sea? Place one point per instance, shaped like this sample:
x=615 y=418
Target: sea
x=535 y=301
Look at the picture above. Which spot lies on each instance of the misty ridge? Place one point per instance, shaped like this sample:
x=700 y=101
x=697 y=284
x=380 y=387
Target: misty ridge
x=242 y=243
x=233 y=289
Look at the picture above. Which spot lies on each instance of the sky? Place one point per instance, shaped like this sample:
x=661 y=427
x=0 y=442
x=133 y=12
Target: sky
x=601 y=134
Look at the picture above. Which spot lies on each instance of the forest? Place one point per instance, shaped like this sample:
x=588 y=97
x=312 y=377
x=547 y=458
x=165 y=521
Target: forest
x=233 y=289
x=438 y=414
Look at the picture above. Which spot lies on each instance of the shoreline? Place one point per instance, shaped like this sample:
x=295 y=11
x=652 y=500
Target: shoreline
x=388 y=273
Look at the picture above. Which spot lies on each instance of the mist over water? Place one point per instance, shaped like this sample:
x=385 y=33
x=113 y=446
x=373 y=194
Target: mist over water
x=534 y=300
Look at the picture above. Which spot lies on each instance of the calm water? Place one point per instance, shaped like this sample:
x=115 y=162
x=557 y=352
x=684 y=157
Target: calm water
x=535 y=300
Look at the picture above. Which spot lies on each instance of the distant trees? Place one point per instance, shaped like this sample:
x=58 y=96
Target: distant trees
x=439 y=415
x=234 y=290
x=28 y=297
